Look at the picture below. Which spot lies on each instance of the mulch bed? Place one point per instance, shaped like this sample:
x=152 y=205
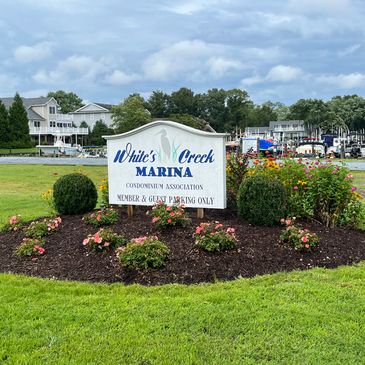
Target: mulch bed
x=258 y=252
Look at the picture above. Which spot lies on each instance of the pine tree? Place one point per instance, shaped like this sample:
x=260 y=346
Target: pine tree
x=4 y=126
x=18 y=122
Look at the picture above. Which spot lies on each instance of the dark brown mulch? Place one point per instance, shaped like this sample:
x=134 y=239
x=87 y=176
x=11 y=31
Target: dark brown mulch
x=258 y=252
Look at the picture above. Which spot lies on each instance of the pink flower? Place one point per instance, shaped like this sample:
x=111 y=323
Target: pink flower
x=98 y=218
x=288 y=222
x=13 y=219
x=304 y=239
x=219 y=225
x=85 y=241
x=172 y=214
x=198 y=230
x=354 y=188
x=41 y=250
x=155 y=219
x=169 y=221
x=106 y=244
x=168 y=208
x=350 y=176
x=230 y=230
x=295 y=187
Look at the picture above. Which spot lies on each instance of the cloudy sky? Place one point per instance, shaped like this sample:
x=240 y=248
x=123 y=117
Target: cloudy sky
x=104 y=50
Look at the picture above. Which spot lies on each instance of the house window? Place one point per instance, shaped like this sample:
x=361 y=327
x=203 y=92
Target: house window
x=52 y=124
x=37 y=124
x=52 y=110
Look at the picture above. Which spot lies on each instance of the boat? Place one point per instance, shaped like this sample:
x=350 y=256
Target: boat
x=59 y=148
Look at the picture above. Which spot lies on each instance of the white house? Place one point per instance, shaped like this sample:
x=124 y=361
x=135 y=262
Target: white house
x=45 y=121
x=91 y=113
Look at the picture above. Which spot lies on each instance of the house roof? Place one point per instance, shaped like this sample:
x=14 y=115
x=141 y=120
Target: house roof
x=106 y=106
x=34 y=115
x=280 y=122
x=99 y=108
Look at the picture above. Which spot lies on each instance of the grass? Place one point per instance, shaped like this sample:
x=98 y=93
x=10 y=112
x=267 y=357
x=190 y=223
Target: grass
x=359 y=179
x=313 y=317
x=22 y=187
x=18 y=151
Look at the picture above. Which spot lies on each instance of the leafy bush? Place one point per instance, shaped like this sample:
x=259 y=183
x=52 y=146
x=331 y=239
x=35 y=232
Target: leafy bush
x=30 y=246
x=40 y=229
x=213 y=237
x=143 y=253
x=74 y=194
x=236 y=168
x=102 y=217
x=301 y=239
x=103 y=240
x=169 y=215
x=261 y=200
x=15 y=222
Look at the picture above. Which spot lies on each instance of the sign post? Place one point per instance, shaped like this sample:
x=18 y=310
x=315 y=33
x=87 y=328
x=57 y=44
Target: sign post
x=169 y=162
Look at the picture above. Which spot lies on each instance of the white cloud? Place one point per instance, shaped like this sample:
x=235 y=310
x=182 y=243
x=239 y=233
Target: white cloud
x=327 y=7
x=219 y=66
x=252 y=80
x=284 y=73
x=34 y=93
x=191 y=7
x=37 y=52
x=118 y=77
x=73 y=68
x=349 y=81
x=349 y=50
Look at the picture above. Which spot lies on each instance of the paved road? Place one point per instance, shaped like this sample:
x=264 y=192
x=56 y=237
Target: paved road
x=353 y=165
x=53 y=161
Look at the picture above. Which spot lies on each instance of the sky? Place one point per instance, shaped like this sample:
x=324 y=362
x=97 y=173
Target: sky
x=105 y=50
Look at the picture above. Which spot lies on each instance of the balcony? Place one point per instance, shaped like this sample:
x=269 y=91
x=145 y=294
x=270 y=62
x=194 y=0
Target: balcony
x=59 y=131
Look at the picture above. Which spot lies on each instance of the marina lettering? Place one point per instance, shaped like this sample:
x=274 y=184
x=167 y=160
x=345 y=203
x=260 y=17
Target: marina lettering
x=164 y=171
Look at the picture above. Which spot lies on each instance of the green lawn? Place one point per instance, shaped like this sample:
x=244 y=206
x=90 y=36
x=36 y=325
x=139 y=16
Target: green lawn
x=22 y=187
x=17 y=151
x=314 y=317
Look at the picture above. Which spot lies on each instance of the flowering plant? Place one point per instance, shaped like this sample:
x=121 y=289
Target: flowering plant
x=14 y=223
x=48 y=198
x=169 y=215
x=143 y=252
x=30 y=246
x=38 y=229
x=104 y=189
x=103 y=239
x=213 y=237
x=301 y=239
x=101 y=217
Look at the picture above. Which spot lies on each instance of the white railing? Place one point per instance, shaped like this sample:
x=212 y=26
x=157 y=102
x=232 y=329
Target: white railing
x=59 y=130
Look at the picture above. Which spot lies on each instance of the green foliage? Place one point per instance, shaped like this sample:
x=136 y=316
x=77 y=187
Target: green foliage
x=130 y=114
x=182 y=102
x=236 y=170
x=102 y=217
x=39 y=229
x=262 y=200
x=353 y=216
x=299 y=238
x=18 y=124
x=169 y=215
x=68 y=102
x=74 y=194
x=100 y=129
x=103 y=240
x=30 y=246
x=15 y=222
x=4 y=126
x=213 y=237
x=143 y=253
x=158 y=104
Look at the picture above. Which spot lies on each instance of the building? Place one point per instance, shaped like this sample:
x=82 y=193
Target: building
x=257 y=132
x=45 y=121
x=287 y=130
x=91 y=113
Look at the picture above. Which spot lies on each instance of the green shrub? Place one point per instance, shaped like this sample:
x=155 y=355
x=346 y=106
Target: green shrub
x=74 y=194
x=39 y=229
x=30 y=246
x=103 y=240
x=143 y=253
x=213 y=237
x=102 y=217
x=261 y=200
x=15 y=223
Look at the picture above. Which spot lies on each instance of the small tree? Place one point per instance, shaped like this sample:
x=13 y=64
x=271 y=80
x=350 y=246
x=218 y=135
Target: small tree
x=4 y=126
x=18 y=122
x=130 y=114
x=100 y=129
x=69 y=102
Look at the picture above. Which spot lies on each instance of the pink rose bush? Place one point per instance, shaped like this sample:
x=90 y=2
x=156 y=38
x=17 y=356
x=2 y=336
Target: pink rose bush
x=31 y=247
x=38 y=229
x=143 y=252
x=103 y=240
x=301 y=239
x=169 y=215
x=102 y=217
x=14 y=223
x=214 y=237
